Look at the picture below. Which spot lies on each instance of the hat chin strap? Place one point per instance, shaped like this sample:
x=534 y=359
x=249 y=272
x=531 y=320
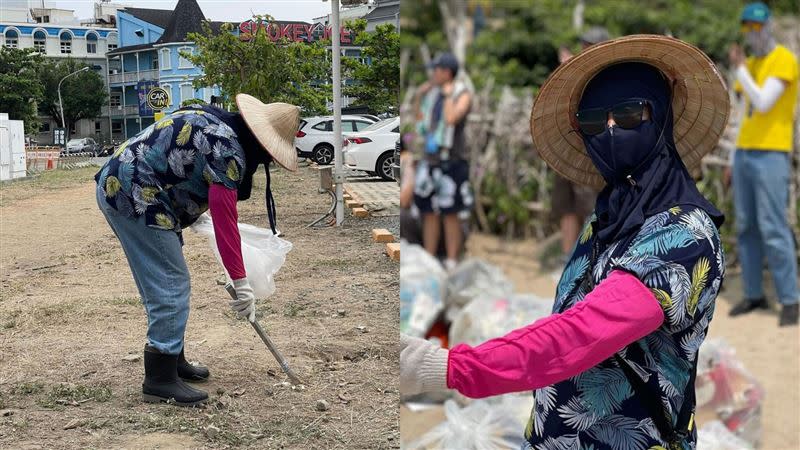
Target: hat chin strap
x=270 y=203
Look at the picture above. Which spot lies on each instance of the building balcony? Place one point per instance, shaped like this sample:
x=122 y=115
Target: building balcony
x=132 y=77
x=120 y=111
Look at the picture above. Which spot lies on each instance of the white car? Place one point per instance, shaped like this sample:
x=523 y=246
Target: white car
x=84 y=145
x=314 y=139
x=372 y=150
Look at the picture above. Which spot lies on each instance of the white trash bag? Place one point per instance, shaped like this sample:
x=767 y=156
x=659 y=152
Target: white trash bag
x=422 y=290
x=476 y=278
x=478 y=426
x=716 y=436
x=487 y=317
x=263 y=253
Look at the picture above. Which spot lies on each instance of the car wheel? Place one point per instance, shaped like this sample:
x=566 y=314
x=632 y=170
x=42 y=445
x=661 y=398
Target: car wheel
x=384 y=166
x=323 y=154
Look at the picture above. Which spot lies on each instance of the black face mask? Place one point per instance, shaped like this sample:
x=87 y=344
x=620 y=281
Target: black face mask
x=619 y=152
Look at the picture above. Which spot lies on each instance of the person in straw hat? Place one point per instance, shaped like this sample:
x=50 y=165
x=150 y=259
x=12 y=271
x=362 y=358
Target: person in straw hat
x=160 y=181
x=613 y=367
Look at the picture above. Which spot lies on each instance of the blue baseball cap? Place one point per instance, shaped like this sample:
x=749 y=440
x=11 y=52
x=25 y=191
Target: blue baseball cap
x=445 y=60
x=755 y=12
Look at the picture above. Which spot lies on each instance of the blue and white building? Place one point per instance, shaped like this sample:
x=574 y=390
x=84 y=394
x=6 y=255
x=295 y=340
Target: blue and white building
x=149 y=54
x=57 y=34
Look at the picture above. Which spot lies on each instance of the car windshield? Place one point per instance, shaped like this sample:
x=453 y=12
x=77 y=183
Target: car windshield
x=73 y=141
x=378 y=125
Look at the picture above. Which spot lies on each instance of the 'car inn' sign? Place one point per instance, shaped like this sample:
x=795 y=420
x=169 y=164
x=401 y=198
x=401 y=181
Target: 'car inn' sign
x=292 y=31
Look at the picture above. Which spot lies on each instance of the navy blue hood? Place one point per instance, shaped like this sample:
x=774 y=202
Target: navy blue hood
x=643 y=171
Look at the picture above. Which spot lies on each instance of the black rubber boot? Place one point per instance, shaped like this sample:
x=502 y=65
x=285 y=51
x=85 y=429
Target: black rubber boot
x=789 y=315
x=190 y=372
x=747 y=306
x=161 y=382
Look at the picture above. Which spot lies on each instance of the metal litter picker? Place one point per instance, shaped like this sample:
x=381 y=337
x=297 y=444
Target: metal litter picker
x=270 y=345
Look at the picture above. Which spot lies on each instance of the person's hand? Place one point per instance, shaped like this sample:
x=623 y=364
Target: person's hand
x=447 y=88
x=727 y=177
x=245 y=303
x=423 y=366
x=564 y=54
x=735 y=55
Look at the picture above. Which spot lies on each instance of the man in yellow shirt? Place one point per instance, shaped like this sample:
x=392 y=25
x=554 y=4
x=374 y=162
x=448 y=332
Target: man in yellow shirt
x=762 y=164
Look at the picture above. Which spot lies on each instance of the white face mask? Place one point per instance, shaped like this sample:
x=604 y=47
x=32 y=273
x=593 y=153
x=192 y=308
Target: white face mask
x=760 y=42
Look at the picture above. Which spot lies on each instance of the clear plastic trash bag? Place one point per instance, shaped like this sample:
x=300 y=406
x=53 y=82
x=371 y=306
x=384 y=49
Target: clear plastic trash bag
x=478 y=426
x=727 y=392
x=476 y=278
x=489 y=317
x=422 y=289
x=716 y=436
x=262 y=252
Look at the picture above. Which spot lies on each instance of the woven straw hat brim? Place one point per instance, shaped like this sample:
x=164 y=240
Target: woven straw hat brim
x=700 y=102
x=275 y=127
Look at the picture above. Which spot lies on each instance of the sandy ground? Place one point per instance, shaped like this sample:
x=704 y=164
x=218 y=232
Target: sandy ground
x=770 y=353
x=70 y=313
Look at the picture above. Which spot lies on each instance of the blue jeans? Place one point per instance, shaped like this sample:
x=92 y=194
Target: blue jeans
x=761 y=198
x=159 y=270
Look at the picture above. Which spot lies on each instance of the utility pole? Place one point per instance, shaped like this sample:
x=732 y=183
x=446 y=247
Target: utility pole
x=60 y=104
x=338 y=176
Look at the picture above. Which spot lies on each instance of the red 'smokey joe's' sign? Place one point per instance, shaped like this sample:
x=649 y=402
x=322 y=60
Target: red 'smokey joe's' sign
x=292 y=31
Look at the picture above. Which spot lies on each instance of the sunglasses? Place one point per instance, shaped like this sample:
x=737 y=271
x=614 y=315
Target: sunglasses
x=627 y=115
x=752 y=26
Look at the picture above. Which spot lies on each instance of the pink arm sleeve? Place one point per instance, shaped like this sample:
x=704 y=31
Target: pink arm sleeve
x=619 y=311
x=222 y=204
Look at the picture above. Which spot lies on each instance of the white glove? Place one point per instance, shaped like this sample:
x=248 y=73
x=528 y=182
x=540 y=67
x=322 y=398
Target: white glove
x=245 y=303
x=423 y=366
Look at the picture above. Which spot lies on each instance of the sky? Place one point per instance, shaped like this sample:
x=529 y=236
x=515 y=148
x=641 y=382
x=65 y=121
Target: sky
x=221 y=10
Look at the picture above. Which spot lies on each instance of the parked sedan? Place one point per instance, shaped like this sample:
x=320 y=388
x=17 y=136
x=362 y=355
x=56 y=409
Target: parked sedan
x=315 y=138
x=372 y=150
x=398 y=147
x=83 y=145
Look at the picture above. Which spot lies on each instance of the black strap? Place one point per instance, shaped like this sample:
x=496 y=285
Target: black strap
x=270 y=203
x=654 y=407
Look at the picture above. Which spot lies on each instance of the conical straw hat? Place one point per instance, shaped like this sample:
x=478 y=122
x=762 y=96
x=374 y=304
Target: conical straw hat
x=700 y=102
x=274 y=125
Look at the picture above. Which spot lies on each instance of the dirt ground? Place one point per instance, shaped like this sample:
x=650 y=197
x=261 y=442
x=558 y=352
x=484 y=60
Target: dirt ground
x=770 y=353
x=70 y=314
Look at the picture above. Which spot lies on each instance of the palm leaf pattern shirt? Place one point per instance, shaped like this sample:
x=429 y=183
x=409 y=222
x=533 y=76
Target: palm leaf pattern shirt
x=677 y=255
x=164 y=172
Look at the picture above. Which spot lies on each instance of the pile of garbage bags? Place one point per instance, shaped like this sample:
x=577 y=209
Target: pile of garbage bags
x=476 y=302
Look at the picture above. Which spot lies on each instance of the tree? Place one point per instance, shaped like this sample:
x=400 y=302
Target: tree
x=291 y=72
x=377 y=82
x=518 y=46
x=83 y=94
x=19 y=85
x=192 y=101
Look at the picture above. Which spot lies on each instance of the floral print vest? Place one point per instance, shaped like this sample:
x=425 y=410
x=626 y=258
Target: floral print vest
x=678 y=255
